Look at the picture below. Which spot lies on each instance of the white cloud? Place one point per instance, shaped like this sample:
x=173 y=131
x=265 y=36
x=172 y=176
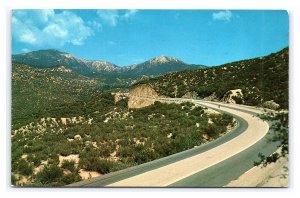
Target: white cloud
x=222 y=15
x=95 y=25
x=108 y=16
x=129 y=14
x=45 y=27
x=46 y=14
x=56 y=31
x=28 y=37
x=113 y=17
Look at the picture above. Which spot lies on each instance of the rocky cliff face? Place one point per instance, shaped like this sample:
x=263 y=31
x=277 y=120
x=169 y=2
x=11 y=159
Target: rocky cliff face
x=141 y=95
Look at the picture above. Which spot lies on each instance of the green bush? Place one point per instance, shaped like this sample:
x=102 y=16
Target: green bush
x=68 y=164
x=96 y=164
x=105 y=150
x=50 y=174
x=125 y=152
x=144 y=155
x=71 y=178
x=24 y=168
x=35 y=160
x=103 y=166
x=212 y=131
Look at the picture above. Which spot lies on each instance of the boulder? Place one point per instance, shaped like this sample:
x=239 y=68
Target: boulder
x=77 y=137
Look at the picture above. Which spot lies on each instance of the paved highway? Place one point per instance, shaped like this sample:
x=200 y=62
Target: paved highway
x=212 y=165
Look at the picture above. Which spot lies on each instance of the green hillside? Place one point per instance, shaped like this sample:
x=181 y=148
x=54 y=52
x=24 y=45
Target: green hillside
x=35 y=91
x=261 y=79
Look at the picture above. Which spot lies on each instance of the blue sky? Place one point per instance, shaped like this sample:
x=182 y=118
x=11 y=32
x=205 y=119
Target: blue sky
x=125 y=37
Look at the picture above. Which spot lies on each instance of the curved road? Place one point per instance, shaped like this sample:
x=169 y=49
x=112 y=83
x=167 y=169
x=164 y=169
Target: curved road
x=211 y=165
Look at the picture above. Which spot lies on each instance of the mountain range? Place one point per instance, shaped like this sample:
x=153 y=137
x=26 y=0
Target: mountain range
x=53 y=58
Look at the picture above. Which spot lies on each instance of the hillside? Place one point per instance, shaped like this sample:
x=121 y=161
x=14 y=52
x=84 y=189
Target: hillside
x=260 y=79
x=35 y=91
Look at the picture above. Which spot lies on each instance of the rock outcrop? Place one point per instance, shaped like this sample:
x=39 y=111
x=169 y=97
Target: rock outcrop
x=141 y=96
x=233 y=96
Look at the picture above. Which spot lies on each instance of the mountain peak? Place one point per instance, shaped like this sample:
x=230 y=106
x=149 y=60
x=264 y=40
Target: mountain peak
x=164 y=59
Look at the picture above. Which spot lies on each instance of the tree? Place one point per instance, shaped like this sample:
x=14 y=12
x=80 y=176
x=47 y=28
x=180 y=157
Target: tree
x=281 y=135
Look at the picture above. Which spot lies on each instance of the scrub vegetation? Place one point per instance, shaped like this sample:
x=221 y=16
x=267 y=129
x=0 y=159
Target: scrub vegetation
x=107 y=137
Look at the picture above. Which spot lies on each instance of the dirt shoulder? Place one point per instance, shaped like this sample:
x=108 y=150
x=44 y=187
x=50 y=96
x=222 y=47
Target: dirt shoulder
x=273 y=175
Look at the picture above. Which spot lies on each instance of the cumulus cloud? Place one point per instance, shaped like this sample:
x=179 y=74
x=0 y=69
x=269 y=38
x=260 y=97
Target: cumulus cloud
x=109 y=16
x=113 y=17
x=222 y=16
x=48 y=28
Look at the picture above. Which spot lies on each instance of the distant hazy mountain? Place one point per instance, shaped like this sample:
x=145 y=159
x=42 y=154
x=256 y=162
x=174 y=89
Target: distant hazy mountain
x=53 y=58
